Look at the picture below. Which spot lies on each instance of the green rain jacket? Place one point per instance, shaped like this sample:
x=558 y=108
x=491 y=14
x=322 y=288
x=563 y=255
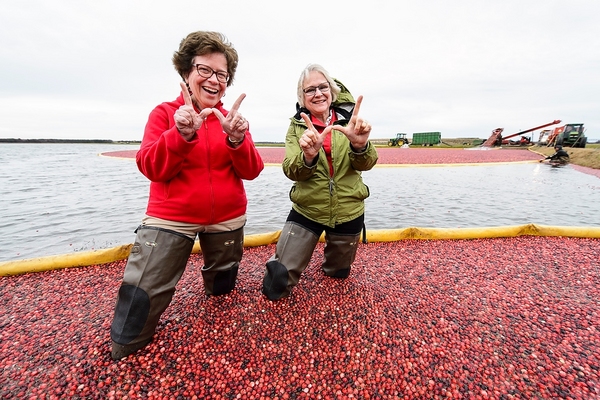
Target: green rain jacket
x=328 y=200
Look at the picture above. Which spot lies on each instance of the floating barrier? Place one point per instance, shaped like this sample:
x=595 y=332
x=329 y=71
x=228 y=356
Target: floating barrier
x=97 y=257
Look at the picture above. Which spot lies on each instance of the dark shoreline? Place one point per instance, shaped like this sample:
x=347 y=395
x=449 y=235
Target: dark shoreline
x=101 y=141
x=63 y=141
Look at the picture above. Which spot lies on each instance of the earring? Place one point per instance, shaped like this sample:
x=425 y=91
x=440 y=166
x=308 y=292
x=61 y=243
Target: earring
x=188 y=88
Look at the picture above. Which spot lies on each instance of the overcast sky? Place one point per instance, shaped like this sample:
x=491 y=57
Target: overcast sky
x=95 y=69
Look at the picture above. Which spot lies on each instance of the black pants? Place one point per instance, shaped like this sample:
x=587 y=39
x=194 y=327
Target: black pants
x=353 y=227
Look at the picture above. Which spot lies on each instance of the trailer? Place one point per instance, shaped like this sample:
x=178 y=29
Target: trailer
x=426 y=138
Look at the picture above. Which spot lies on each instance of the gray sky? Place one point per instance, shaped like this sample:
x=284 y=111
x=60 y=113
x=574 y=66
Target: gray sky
x=95 y=69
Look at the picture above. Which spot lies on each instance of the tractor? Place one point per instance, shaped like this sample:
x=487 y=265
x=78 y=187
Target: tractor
x=569 y=135
x=399 y=140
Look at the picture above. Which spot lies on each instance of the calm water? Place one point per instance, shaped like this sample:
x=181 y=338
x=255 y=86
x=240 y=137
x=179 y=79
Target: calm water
x=62 y=198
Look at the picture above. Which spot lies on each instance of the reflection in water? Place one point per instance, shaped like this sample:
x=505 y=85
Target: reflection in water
x=59 y=199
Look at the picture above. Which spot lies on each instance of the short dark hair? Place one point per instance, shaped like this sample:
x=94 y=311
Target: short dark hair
x=201 y=43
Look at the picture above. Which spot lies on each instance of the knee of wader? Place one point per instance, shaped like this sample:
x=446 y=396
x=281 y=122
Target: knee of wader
x=131 y=314
x=275 y=281
x=222 y=282
x=340 y=252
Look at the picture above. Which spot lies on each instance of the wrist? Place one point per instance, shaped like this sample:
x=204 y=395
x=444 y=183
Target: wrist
x=359 y=149
x=187 y=136
x=236 y=142
x=310 y=161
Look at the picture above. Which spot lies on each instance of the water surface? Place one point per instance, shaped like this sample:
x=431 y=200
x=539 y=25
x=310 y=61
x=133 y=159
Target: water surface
x=62 y=198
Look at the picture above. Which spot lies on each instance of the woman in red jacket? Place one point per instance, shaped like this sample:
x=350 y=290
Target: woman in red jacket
x=195 y=154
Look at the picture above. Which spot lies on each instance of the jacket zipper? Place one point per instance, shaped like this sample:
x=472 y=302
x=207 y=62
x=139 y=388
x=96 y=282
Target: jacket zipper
x=331 y=178
x=208 y=163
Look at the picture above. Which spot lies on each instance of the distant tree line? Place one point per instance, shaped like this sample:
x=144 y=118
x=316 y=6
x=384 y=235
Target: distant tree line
x=103 y=141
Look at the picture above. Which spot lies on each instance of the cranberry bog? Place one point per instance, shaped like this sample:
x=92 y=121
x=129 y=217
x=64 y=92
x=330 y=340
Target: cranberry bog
x=481 y=318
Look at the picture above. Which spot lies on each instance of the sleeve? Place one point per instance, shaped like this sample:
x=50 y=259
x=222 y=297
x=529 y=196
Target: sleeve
x=365 y=160
x=247 y=162
x=293 y=164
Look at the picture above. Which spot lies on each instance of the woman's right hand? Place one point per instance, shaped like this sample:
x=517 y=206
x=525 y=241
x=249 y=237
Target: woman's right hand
x=311 y=140
x=187 y=120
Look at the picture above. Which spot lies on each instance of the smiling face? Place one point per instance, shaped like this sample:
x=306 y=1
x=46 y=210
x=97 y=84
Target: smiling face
x=319 y=104
x=207 y=92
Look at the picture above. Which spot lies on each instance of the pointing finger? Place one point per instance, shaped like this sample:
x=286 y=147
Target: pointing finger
x=308 y=122
x=186 y=94
x=238 y=103
x=357 y=106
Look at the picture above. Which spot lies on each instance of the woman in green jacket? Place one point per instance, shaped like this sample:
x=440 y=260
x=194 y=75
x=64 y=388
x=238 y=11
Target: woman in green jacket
x=326 y=148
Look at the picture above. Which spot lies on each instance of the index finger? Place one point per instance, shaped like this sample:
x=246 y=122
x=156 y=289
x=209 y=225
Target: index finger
x=186 y=94
x=308 y=122
x=238 y=103
x=357 y=106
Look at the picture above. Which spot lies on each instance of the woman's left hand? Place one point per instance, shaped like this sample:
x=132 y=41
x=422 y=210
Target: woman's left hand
x=357 y=130
x=234 y=124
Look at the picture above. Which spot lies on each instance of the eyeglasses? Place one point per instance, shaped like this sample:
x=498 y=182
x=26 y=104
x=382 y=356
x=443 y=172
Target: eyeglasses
x=311 y=90
x=206 y=72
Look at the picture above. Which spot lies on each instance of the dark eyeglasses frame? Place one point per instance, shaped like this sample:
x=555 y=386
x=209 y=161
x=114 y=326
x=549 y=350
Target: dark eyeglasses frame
x=222 y=77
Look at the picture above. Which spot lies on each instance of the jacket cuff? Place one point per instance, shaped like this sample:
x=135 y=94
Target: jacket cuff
x=362 y=151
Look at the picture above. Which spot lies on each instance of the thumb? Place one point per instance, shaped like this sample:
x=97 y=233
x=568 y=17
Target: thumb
x=218 y=114
x=325 y=132
x=207 y=111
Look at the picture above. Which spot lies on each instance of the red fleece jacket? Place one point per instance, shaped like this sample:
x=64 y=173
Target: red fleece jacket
x=199 y=181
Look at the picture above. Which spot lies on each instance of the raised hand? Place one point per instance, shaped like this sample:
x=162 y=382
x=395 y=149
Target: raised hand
x=187 y=120
x=311 y=140
x=234 y=125
x=358 y=129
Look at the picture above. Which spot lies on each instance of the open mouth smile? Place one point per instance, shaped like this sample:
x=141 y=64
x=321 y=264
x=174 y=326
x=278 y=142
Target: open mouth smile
x=210 y=90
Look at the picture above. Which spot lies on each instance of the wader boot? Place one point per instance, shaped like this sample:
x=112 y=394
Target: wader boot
x=293 y=252
x=339 y=254
x=155 y=265
x=221 y=260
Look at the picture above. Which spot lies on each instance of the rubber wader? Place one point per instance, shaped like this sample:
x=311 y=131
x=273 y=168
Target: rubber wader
x=339 y=254
x=292 y=254
x=221 y=260
x=155 y=265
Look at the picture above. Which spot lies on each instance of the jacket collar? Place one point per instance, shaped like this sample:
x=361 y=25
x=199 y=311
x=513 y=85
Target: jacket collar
x=341 y=114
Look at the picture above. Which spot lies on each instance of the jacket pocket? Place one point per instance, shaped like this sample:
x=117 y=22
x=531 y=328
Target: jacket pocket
x=294 y=194
x=363 y=192
x=358 y=190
